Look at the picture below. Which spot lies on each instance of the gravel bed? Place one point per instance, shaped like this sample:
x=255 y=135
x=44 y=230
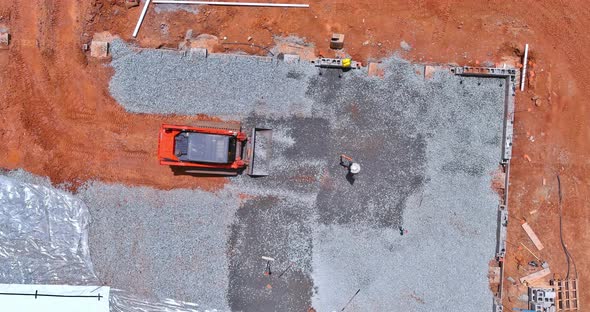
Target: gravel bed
x=161 y=244
x=222 y=85
x=427 y=149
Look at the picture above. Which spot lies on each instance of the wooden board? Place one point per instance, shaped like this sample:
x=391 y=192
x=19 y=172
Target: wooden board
x=494 y=275
x=532 y=236
x=535 y=276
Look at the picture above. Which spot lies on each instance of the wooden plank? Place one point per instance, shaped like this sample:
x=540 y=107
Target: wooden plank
x=494 y=274
x=527 y=249
x=532 y=236
x=535 y=276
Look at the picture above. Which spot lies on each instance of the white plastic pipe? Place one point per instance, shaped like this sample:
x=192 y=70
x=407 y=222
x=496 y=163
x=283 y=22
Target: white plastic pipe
x=526 y=55
x=145 y=7
x=252 y=4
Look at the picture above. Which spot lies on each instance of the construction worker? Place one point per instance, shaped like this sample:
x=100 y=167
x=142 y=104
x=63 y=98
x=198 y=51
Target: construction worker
x=348 y=163
x=402 y=231
x=352 y=167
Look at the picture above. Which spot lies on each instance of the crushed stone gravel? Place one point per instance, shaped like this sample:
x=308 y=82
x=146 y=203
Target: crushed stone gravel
x=427 y=148
x=164 y=244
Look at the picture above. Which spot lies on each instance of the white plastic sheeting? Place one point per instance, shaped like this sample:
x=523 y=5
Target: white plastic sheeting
x=43 y=236
x=43 y=240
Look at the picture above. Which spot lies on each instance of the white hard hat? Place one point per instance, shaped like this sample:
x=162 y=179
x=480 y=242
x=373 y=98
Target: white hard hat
x=355 y=168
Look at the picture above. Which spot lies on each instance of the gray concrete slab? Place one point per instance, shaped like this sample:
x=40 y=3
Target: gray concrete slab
x=427 y=149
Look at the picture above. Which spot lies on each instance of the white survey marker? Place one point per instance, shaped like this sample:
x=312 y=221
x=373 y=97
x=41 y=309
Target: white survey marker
x=54 y=298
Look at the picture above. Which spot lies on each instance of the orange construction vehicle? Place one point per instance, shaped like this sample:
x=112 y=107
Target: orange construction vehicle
x=215 y=148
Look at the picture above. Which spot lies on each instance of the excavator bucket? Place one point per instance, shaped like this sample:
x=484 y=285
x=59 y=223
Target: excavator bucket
x=259 y=152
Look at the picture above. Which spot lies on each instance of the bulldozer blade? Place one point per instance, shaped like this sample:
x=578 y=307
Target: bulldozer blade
x=202 y=171
x=259 y=152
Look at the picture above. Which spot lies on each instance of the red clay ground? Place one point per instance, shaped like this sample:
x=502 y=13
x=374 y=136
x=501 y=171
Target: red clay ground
x=59 y=120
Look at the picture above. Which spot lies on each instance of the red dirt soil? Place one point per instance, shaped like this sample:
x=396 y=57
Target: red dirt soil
x=59 y=120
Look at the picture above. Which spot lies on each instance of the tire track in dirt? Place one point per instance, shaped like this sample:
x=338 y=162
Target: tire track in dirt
x=62 y=121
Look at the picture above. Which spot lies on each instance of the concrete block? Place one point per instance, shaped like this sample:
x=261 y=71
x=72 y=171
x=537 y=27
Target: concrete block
x=337 y=41
x=494 y=275
x=188 y=35
x=99 y=49
x=197 y=53
x=290 y=58
x=429 y=71
x=131 y=3
x=543 y=299
x=4 y=40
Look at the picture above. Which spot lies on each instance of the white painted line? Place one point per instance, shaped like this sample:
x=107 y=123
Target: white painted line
x=253 y=4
